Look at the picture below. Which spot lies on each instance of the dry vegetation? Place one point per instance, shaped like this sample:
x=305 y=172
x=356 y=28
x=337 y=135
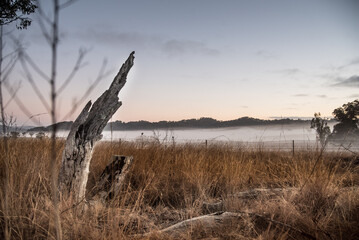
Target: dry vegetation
x=169 y=184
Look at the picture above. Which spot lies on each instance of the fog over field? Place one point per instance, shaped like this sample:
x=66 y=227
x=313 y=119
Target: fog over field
x=247 y=134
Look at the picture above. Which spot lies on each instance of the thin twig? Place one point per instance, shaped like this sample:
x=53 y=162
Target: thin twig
x=66 y=4
x=35 y=67
x=19 y=102
x=12 y=95
x=77 y=66
x=8 y=69
x=73 y=205
x=33 y=85
x=101 y=75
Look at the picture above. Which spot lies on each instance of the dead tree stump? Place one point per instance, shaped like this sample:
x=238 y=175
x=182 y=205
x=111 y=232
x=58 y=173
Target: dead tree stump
x=85 y=132
x=112 y=178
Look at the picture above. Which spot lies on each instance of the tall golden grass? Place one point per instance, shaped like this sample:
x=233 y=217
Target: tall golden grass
x=169 y=183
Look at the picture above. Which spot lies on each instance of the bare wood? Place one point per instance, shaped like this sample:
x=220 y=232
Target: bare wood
x=208 y=222
x=112 y=178
x=85 y=132
x=217 y=220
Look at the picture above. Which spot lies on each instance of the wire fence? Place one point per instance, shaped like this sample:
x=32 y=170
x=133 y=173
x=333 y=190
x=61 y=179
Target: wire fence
x=282 y=145
x=351 y=146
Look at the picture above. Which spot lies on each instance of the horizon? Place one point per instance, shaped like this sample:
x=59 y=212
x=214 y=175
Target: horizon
x=225 y=60
x=262 y=119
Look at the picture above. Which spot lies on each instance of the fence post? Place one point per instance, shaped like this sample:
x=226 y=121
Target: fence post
x=293 y=147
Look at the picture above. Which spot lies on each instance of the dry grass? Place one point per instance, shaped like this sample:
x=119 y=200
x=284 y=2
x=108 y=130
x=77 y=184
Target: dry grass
x=168 y=184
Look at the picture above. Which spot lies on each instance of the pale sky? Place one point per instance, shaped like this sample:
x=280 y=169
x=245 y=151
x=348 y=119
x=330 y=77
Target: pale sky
x=203 y=58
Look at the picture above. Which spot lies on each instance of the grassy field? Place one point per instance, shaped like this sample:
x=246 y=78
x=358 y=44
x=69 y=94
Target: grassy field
x=169 y=184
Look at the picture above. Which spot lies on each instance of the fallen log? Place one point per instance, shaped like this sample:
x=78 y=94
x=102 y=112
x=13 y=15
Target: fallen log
x=218 y=220
x=85 y=132
x=206 y=221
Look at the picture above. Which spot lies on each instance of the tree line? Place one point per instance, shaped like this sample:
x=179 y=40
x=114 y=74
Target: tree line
x=187 y=123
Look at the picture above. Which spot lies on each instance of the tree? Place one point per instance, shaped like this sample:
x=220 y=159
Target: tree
x=321 y=126
x=85 y=132
x=17 y=11
x=10 y=11
x=347 y=115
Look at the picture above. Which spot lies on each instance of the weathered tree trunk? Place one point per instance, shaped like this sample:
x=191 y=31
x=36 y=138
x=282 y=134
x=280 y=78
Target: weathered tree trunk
x=112 y=178
x=85 y=132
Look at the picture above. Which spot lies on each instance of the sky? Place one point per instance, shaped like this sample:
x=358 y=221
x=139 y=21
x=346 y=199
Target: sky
x=199 y=58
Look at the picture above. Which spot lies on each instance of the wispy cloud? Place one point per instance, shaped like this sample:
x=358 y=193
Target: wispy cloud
x=322 y=96
x=352 y=62
x=265 y=54
x=352 y=81
x=289 y=71
x=170 y=47
x=354 y=96
x=300 y=95
x=110 y=37
x=178 y=47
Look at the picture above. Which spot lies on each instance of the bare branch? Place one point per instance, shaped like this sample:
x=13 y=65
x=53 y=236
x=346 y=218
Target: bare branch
x=35 y=67
x=66 y=4
x=12 y=94
x=77 y=66
x=42 y=14
x=101 y=75
x=8 y=69
x=10 y=54
x=33 y=85
x=18 y=102
x=12 y=20
x=44 y=32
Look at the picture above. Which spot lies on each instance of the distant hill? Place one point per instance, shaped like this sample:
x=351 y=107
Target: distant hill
x=199 y=123
x=188 y=123
x=15 y=129
x=60 y=126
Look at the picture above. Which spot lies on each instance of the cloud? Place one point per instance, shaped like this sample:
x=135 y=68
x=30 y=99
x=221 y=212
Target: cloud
x=354 y=61
x=300 y=95
x=352 y=81
x=170 y=47
x=178 y=47
x=354 y=96
x=322 y=96
x=109 y=37
x=289 y=71
x=265 y=54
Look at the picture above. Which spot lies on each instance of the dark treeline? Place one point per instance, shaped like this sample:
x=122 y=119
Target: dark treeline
x=188 y=123
x=60 y=126
x=198 y=123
